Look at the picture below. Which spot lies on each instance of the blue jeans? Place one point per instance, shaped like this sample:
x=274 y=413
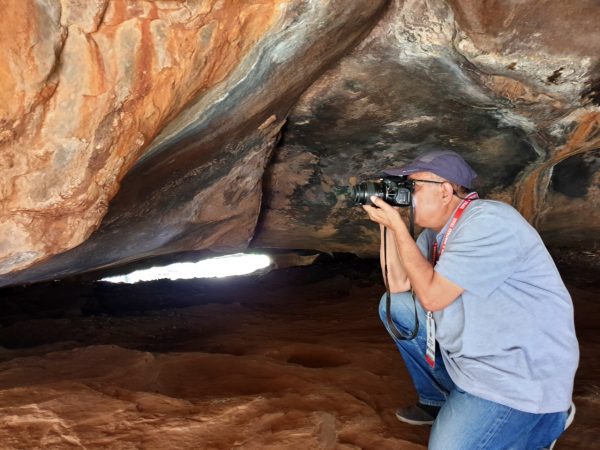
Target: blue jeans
x=465 y=421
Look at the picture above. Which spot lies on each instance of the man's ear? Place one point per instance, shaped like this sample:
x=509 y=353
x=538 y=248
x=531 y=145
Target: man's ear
x=447 y=192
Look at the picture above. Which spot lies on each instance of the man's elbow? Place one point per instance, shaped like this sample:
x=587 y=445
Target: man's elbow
x=433 y=303
x=399 y=286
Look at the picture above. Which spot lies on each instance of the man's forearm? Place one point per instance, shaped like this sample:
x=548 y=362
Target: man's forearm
x=397 y=277
x=433 y=291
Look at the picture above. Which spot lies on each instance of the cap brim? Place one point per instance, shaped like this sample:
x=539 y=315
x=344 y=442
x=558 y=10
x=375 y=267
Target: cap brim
x=406 y=170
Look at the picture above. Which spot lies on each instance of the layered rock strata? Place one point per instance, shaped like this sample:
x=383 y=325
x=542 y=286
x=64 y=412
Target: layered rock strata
x=194 y=92
x=170 y=112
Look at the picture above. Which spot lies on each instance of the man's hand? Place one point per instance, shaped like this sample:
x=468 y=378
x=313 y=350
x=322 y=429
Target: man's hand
x=433 y=290
x=384 y=214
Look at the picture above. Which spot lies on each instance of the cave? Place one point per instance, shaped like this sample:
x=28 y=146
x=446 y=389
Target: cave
x=140 y=133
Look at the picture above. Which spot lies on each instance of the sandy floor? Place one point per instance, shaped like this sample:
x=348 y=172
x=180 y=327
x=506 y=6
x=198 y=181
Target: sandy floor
x=292 y=360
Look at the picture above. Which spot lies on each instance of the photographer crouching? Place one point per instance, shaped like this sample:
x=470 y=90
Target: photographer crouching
x=477 y=309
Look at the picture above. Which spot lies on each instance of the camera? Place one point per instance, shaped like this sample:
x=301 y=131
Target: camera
x=394 y=190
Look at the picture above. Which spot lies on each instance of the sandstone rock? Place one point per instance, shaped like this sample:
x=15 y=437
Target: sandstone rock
x=222 y=75
x=87 y=86
x=170 y=111
x=297 y=358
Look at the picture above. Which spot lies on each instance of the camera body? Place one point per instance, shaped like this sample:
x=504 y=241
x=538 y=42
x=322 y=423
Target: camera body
x=394 y=190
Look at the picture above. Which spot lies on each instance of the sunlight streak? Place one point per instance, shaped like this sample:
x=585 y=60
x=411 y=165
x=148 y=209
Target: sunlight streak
x=222 y=266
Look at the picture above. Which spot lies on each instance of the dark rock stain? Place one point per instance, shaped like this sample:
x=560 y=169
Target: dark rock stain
x=555 y=76
x=591 y=94
x=573 y=176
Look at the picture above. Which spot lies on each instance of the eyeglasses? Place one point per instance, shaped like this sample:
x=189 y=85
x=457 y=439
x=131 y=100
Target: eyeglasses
x=414 y=182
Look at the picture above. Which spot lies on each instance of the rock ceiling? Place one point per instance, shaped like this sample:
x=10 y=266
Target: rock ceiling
x=132 y=130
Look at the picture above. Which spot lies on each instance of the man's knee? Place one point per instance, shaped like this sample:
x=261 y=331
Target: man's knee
x=402 y=310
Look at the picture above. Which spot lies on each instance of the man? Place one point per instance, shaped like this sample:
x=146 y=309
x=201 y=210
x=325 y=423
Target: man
x=493 y=303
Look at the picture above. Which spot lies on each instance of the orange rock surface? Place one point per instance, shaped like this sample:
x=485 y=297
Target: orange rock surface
x=290 y=360
x=84 y=88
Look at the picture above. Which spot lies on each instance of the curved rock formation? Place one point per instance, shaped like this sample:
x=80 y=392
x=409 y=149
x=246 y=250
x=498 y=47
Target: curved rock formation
x=170 y=111
x=87 y=86
x=222 y=75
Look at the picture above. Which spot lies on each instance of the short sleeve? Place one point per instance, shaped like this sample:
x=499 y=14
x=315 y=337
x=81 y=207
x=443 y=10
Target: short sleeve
x=425 y=242
x=481 y=254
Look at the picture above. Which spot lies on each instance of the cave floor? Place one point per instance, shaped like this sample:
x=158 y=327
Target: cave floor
x=293 y=359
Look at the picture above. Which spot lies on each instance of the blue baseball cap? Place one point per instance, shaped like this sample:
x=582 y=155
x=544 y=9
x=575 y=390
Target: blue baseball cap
x=444 y=163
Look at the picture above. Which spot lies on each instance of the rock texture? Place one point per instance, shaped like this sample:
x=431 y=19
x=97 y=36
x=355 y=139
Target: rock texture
x=489 y=80
x=132 y=130
x=87 y=86
x=208 y=84
x=299 y=361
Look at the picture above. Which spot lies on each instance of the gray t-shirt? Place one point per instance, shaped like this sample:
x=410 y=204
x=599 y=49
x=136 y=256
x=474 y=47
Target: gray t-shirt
x=510 y=337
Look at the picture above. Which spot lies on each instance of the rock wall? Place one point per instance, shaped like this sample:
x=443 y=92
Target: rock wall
x=192 y=92
x=512 y=86
x=132 y=130
x=86 y=86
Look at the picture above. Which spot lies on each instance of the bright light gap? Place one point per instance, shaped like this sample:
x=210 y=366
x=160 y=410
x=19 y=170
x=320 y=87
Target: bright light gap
x=222 y=266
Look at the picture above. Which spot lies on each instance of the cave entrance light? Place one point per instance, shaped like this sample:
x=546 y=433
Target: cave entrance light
x=219 y=267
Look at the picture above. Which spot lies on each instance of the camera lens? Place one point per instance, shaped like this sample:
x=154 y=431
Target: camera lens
x=362 y=192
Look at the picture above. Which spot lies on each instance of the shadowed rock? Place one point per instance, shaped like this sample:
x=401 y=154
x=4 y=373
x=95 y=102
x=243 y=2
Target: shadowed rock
x=454 y=75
